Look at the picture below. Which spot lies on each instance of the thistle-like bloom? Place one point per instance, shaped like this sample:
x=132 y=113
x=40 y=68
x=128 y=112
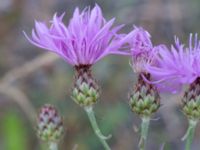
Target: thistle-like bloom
x=178 y=66
x=87 y=38
x=144 y=98
x=142 y=50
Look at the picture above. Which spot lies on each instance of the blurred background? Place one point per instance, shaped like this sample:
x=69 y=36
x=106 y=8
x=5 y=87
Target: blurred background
x=31 y=77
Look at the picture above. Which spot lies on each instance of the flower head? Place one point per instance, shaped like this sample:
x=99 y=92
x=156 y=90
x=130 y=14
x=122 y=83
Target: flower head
x=87 y=38
x=191 y=101
x=142 y=50
x=177 y=66
x=86 y=90
x=144 y=98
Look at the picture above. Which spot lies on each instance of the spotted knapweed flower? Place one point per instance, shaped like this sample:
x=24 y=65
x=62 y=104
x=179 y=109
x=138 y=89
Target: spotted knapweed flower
x=177 y=67
x=144 y=97
x=87 y=38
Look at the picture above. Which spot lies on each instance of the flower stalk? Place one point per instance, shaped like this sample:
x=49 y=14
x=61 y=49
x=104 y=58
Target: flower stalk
x=189 y=134
x=144 y=132
x=53 y=146
x=102 y=138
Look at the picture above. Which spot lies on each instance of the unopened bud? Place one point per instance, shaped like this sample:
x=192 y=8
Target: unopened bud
x=49 y=125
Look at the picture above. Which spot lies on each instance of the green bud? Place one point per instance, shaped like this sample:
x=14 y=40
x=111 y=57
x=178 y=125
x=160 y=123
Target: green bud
x=191 y=101
x=86 y=90
x=144 y=98
x=49 y=124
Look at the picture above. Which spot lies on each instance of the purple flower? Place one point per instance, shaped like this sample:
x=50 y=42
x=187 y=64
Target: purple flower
x=87 y=38
x=178 y=66
x=142 y=50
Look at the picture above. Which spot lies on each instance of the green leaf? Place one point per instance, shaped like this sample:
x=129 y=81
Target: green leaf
x=14 y=132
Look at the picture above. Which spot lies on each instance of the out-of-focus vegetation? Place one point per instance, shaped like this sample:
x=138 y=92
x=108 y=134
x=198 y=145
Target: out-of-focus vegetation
x=51 y=82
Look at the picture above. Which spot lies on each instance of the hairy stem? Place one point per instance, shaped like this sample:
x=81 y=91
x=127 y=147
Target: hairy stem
x=144 y=132
x=53 y=146
x=189 y=134
x=102 y=138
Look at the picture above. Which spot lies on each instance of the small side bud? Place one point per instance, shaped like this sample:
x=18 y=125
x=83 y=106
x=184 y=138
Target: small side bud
x=86 y=90
x=144 y=98
x=49 y=124
x=191 y=101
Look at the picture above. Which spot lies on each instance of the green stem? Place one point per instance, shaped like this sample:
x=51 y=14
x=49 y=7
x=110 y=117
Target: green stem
x=144 y=132
x=53 y=146
x=95 y=127
x=190 y=134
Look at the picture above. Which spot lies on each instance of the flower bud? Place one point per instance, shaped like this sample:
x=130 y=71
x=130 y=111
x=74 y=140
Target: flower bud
x=49 y=124
x=144 y=98
x=191 y=101
x=86 y=90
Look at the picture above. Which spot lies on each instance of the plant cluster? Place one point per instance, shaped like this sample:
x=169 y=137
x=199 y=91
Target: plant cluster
x=87 y=39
